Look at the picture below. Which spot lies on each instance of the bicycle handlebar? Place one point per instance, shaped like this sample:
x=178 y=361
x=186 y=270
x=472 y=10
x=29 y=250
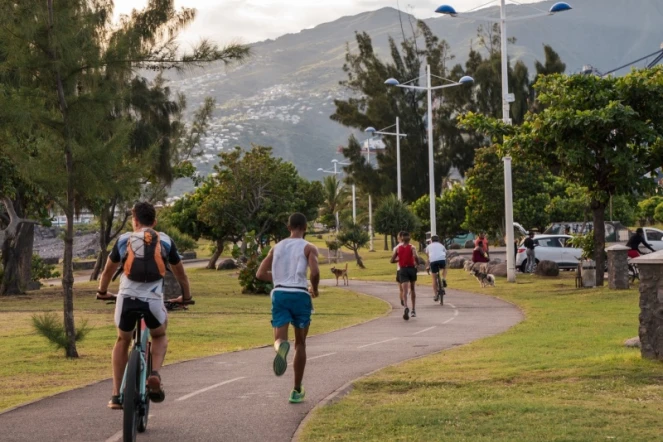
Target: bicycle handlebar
x=111 y=298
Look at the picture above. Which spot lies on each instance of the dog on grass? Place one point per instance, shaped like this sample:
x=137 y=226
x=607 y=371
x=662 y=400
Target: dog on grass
x=341 y=273
x=468 y=266
x=485 y=279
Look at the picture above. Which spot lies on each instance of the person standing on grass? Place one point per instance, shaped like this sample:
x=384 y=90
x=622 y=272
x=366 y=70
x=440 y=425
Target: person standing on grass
x=437 y=259
x=483 y=239
x=479 y=254
x=286 y=266
x=406 y=256
x=398 y=267
x=531 y=254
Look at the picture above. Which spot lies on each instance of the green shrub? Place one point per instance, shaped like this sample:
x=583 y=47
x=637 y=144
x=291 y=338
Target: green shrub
x=51 y=327
x=584 y=242
x=41 y=270
x=658 y=213
x=249 y=264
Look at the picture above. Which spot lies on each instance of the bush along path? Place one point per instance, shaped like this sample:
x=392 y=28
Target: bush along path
x=236 y=397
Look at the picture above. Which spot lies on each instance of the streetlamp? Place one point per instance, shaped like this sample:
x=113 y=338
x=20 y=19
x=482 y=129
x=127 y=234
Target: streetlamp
x=431 y=160
x=398 y=136
x=506 y=99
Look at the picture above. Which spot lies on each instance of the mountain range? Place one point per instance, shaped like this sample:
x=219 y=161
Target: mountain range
x=283 y=96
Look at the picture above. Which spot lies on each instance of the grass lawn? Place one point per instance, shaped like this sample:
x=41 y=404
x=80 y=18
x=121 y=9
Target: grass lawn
x=561 y=375
x=222 y=320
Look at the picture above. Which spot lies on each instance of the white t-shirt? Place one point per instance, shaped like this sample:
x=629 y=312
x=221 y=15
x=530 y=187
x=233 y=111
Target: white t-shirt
x=436 y=252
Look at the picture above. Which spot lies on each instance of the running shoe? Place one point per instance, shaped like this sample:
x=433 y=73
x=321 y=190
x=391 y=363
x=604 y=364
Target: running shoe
x=280 y=360
x=297 y=396
x=436 y=298
x=406 y=314
x=154 y=388
x=444 y=283
x=414 y=314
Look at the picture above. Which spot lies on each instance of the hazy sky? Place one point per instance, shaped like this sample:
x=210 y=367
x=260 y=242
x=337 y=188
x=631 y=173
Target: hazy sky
x=254 y=20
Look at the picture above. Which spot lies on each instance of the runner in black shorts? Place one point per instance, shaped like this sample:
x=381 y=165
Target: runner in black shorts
x=406 y=256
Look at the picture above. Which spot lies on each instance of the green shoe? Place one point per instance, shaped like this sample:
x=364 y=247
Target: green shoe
x=297 y=397
x=280 y=360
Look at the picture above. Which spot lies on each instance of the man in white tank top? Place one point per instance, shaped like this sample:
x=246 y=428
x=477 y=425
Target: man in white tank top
x=286 y=266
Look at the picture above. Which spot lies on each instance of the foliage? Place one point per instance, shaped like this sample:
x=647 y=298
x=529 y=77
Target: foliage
x=49 y=326
x=336 y=199
x=254 y=191
x=449 y=211
x=648 y=208
x=624 y=209
x=584 y=242
x=41 y=270
x=658 y=213
x=249 y=262
x=393 y=216
x=375 y=104
x=333 y=244
x=354 y=237
x=183 y=241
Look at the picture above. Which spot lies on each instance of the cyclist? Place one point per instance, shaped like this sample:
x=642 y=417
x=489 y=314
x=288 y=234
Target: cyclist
x=286 y=266
x=437 y=259
x=634 y=243
x=135 y=295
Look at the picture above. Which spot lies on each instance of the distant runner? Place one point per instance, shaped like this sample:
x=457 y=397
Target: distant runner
x=398 y=268
x=437 y=259
x=286 y=266
x=406 y=256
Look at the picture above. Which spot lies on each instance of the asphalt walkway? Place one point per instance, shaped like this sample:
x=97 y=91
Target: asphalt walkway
x=236 y=397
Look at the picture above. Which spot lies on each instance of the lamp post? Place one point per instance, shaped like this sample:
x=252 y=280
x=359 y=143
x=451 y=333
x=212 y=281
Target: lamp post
x=506 y=99
x=398 y=136
x=431 y=158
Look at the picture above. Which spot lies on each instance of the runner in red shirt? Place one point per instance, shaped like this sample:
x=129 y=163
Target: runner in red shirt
x=406 y=256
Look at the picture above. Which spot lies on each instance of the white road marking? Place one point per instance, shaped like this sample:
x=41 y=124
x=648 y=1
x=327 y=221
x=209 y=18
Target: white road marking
x=424 y=330
x=454 y=316
x=376 y=343
x=321 y=356
x=116 y=437
x=203 y=390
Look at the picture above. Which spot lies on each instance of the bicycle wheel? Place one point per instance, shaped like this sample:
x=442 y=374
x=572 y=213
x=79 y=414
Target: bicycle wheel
x=131 y=402
x=440 y=290
x=144 y=413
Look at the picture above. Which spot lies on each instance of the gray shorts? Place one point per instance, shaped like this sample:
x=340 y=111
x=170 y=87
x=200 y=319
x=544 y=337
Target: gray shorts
x=127 y=310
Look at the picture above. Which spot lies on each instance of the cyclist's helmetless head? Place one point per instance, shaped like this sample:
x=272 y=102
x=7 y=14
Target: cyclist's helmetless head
x=144 y=214
x=297 y=222
x=435 y=238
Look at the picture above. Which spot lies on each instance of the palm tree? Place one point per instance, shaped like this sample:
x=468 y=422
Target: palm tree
x=336 y=199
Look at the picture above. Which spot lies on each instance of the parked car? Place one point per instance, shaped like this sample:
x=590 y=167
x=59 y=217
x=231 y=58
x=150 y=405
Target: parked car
x=550 y=248
x=654 y=237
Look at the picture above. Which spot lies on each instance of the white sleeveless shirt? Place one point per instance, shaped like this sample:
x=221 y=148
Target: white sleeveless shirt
x=289 y=265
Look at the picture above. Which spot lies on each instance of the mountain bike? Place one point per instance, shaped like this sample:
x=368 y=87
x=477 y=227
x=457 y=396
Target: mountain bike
x=133 y=392
x=440 y=288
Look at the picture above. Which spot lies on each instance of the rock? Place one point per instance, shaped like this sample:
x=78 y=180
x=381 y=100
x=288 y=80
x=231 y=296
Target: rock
x=455 y=246
x=469 y=244
x=632 y=343
x=189 y=255
x=33 y=285
x=456 y=263
x=498 y=269
x=547 y=268
x=452 y=255
x=493 y=262
x=227 y=264
x=171 y=288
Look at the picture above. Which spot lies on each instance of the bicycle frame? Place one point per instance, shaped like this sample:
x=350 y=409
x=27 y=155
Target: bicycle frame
x=141 y=336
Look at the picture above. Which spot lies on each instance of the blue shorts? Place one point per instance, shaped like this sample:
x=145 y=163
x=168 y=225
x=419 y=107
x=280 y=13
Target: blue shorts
x=291 y=308
x=437 y=265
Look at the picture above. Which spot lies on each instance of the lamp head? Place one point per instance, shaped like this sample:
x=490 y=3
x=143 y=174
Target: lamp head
x=320 y=169
x=371 y=130
x=447 y=10
x=560 y=7
x=334 y=161
x=466 y=80
x=391 y=82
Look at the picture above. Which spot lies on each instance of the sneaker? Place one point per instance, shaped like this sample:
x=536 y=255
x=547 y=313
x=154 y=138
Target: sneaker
x=436 y=298
x=414 y=314
x=114 y=403
x=280 y=360
x=297 y=396
x=444 y=283
x=406 y=314
x=154 y=388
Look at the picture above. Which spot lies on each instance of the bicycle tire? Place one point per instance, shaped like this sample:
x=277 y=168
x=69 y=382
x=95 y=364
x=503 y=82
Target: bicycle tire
x=131 y=402
x=144 y=414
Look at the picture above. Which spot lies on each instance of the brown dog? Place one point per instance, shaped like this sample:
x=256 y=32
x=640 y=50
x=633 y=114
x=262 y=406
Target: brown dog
x=341 y=273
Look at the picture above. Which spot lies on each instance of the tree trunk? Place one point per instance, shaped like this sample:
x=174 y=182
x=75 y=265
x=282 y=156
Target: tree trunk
x=17 y=245
x=24 y=248
x=386 y=246
x=360 y=263
x=598 y=208
x=211 y=265
x=68 y=271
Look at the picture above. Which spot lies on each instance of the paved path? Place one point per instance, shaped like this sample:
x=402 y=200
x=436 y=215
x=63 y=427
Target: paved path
x=236 y=397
